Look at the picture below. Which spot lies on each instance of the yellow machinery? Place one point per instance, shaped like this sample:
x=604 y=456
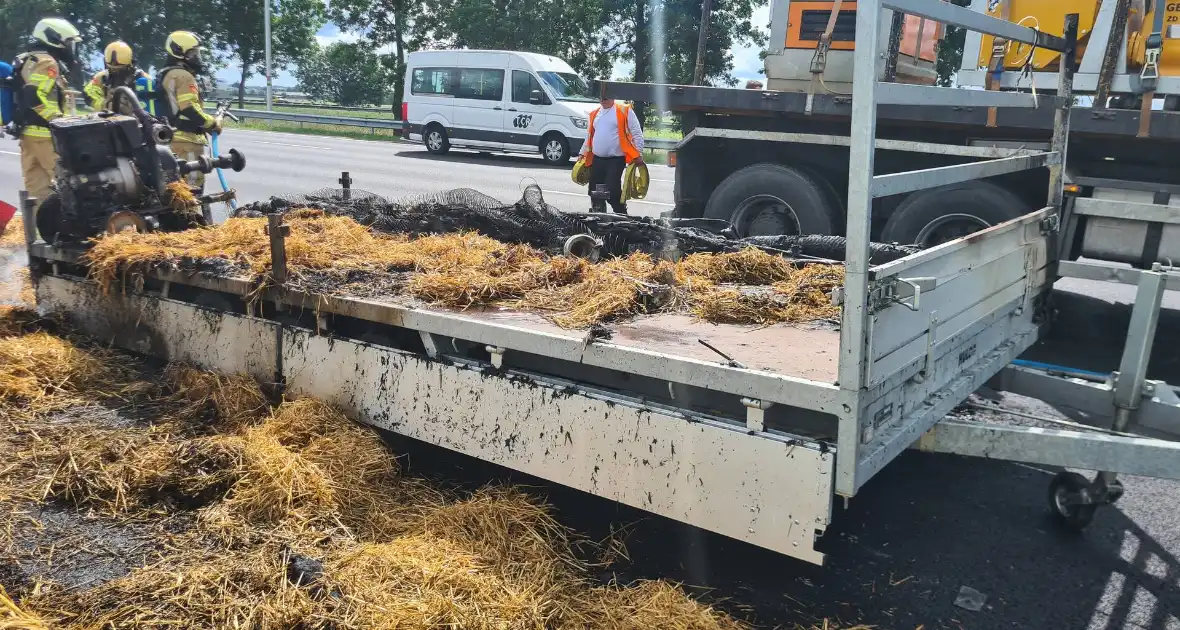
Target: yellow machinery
x=1127 y=45
x=1127 y=48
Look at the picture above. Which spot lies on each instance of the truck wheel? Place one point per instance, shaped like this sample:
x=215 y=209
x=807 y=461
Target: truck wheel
x=436 y=139
x=770 y=199
x=555 y=150
x=932 y=217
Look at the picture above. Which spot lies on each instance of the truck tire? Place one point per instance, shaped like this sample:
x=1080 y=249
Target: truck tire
x=770 y=199
x=931 y=217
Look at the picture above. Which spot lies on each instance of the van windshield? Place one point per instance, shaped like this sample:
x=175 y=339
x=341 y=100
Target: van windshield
x=568 y=86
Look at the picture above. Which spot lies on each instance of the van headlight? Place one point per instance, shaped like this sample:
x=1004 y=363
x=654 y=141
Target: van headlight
x=580 y=123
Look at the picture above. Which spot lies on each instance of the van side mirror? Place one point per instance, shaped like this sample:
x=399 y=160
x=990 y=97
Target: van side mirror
x=537 y=98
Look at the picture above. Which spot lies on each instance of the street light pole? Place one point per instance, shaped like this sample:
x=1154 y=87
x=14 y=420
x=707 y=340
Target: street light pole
x=266 y=27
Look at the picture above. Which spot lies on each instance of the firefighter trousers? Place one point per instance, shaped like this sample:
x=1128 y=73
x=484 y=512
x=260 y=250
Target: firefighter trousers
x=37 y=161
x=189 y=151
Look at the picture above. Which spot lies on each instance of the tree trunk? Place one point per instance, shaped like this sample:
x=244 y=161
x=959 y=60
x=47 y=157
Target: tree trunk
x=641 y=51
x=242 y=86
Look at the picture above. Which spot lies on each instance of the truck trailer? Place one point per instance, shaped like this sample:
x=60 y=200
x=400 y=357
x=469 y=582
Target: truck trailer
x=752 y=432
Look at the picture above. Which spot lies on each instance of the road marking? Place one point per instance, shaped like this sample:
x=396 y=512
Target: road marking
x=562 y=192
x=10 y=152
x=287 y=144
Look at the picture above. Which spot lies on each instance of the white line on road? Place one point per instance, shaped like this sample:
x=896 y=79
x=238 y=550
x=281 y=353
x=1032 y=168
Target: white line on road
x=287 y=144
x=10 y=152
x=562 y=192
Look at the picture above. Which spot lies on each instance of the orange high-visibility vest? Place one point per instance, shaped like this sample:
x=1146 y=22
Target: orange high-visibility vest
x=629 y=150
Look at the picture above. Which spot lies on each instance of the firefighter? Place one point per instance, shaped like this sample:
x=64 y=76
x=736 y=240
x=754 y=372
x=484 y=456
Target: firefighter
x=43 y=98
x=178 y=82
x=120 y=71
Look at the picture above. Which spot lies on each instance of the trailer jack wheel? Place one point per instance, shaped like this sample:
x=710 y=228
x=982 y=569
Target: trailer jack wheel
x=1072 y=500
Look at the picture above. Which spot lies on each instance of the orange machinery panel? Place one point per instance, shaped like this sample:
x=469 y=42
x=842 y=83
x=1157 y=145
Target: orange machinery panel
x=806 y=21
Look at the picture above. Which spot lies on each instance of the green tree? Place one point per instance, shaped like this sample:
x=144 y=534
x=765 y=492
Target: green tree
x=386 y=24
x=568 y=29
x=630 y=24
x=240 y=34
x=347 y=74
x=143 y=24
x=950 y=51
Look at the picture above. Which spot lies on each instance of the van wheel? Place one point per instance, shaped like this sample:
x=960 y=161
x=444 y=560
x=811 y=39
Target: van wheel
x=436 y=139
x=555 y=150
x=771 y=199
x=936 y=216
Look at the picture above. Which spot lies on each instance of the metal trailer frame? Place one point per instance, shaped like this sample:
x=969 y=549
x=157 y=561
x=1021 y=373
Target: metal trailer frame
x=1086 y=78
x=864 y=450
x=918 y=335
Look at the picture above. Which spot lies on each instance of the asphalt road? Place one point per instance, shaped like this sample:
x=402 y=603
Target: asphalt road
x=901 y=550
x=283 y=163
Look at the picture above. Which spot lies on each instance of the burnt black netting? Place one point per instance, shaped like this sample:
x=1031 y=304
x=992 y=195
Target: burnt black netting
x=531 y=221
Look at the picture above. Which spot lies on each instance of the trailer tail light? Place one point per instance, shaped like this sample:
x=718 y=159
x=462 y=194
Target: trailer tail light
x=672 y=159
x=405 y=131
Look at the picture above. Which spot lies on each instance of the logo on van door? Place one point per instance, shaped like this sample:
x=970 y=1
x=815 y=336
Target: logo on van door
x=522 y=121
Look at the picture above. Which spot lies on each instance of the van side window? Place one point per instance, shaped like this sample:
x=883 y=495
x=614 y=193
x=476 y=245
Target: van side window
x=481 y=84
x=438 y=81
x=523 y=85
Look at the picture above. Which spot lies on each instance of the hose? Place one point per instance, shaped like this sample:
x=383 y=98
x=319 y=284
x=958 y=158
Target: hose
x=233 y=203
x=636 y=181
x=1069 y=371
x=580 y=173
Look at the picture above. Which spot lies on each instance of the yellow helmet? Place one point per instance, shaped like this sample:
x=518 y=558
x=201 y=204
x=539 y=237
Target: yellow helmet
x=58 y=34
x=185 y=46
x=118 y=55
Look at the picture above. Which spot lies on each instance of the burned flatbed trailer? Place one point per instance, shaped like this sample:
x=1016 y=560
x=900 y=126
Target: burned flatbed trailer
x=755 y=447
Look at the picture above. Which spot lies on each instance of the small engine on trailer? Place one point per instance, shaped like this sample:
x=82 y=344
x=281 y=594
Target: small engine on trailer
x=117 y=172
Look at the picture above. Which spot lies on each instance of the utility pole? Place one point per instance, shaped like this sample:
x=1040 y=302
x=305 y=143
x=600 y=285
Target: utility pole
x=698 y=75
x=266 y=28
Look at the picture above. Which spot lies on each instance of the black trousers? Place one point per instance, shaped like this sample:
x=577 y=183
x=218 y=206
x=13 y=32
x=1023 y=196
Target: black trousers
x=609 y=171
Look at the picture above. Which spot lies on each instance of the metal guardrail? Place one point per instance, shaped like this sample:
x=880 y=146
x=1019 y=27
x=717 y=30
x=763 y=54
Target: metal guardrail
x=658 y=144
x=319 y=119
x=211 y=102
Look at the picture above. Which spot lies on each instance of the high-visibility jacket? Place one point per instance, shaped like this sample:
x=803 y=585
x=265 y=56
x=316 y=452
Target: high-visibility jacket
x=43 y=92
x=98 y=91
x=183 y=100
x=623 y=113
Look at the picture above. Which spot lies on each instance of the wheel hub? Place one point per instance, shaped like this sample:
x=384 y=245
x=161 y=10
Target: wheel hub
x=950 y=227
x=765 y=215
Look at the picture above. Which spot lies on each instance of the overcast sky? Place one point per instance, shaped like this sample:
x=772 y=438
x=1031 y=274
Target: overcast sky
x=746 y=64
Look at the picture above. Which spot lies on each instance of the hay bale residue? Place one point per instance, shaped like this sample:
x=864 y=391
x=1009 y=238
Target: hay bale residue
x=235 y=401
x=13 y=234
x=181 y=198
x=13 y=618
x=333 y=254
x=265 y=486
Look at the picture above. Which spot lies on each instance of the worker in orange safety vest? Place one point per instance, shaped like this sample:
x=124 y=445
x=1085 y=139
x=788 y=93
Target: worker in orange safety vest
x=614 y=140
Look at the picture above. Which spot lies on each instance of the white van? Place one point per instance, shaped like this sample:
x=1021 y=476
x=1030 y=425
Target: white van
x=491 y=100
